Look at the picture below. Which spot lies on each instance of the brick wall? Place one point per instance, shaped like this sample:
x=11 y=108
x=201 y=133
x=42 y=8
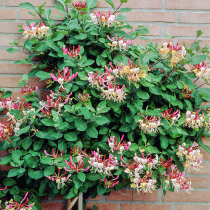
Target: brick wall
x=180 y=18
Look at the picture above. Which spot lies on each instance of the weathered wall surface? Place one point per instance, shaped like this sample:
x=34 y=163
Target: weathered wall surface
x=179 y=18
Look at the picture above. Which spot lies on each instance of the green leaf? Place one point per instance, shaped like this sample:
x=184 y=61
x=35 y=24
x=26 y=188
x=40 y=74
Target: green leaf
x=47 y=14
x=123 y=1
x=41 y=46
x=47 y=122
x=121 y=17
x=101 y=120
x=38 y=144
x=23 y=130
x=16 y=154
x=91 y=3
x=81 y=36
x=62 y=145
x=7 y=94
x=155 y=90
x=142 y=94
x=43 y=75
x=6 y=160
x=57 y=36
x=9 y=182
x=103 y=130
x=12 y=50
x=110 y=3
x=38 y=174
x=92 y=132
x=80 y=124
x=49 y=170
x=14 y=190
x=81 y=176
x=163 y=142
x=101 y=189
x=93 y=177
x=198 y=99
x=199 y=33
x=203 y=146
x=71 y=136
x=125 y=10
x=134 y=146
x=85 y=112
x=13 y=172
x=27 y=6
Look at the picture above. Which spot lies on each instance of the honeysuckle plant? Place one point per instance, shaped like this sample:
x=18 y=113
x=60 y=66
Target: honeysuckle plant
x=116 y=115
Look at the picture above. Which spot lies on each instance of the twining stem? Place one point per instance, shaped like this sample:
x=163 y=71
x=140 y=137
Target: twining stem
x=117 y=9
x=155 y=63
x=42 y=19
x=200 y=86
x=166 y=78
x=196 y=80
x=70 y=203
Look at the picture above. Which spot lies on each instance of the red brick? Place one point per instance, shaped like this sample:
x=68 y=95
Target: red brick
x=195 y=17
x=44 y=95
x=205 y=141
x=97 y=198
x=4 y=55
x=5 y=168
x=122 y=195
x=101 y=206
x=11 y=68
x=142 y=4
x=194 y=196
x=50 y=206
x=5 y=40
x=1 y=2
x=24 y=15
x=187 y=30
x=144 y=42
x=9 y=27
x=154 y=30
x=58 y=197
x=145 y=207
x=13 y=82
x=192 y=207
x=151 y=16
x=206 y=155
x=188 y=4
x=204 y=170
x=7 y=14
x=3 y=153
x=49 y=3
x=200 y=182
x=3 y=120
x=145 y=196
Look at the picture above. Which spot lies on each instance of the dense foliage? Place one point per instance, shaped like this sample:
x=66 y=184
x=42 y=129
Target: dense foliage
x=116 y=114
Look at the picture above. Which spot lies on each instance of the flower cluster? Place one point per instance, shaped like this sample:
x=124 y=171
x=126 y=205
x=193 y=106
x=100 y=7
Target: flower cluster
x=53 y=154
x=72 y=53
x=201 y=70
x=122 y=43
x=105 y=83
x=83 y=97
x=6 y=130
x=179 y=182
x=28 y=90
x=60 y=179
x=102 y=18
x=35 y=31
x=194 y=120
x=65 y=77
x=176 y=53
x=149 y=125
x=174 y=116
x=79 y=6
x=14 y=205
x=192 y=155
x=115 y=146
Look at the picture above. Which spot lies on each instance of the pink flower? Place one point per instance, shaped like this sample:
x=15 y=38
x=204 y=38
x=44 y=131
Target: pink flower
x=28 y=90
x=4 y=188
x=79 y=6
x=174 y=116
x=110 y=183
x=53 y=154
x=72 y=53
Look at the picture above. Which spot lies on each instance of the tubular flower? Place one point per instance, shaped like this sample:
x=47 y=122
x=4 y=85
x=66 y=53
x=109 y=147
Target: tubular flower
x=122 y=43
x=110 y=183
x=192 y=154
x=65 y=77
x=176 y=53
x=78 y=153
x=79 y=6
x=194 y=120
x=78 y=166
x=60 y=179
x=14 y=205
x=144 y=184
x=28 y=90
x=120 y=147
x=53 y=154
x=201 y=70
x=187 y=93
x=130 y=167
x=83 y=97
x=3 y=188
x=6 y=130
x=166 y=164
x=35 y=31
x=149 y=125
x=174 y=116
x=72 y=53
x=178 y=180
x=101 y=164
x=102 y=18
